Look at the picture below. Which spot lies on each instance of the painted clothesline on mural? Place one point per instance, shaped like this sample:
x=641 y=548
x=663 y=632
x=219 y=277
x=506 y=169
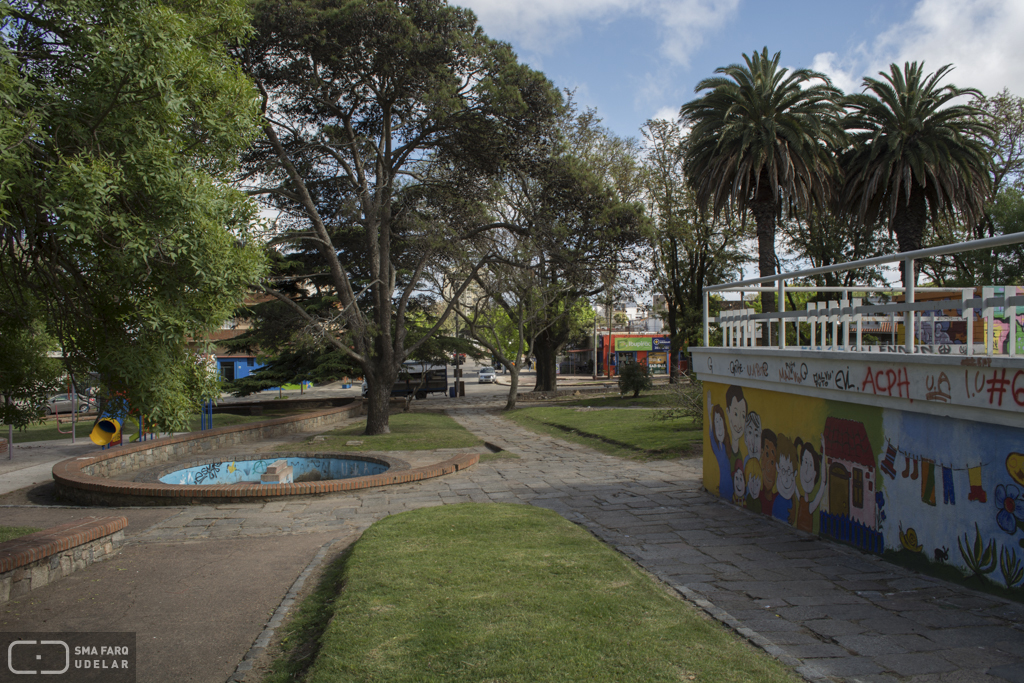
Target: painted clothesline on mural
x=896 y=450
x=918 y=466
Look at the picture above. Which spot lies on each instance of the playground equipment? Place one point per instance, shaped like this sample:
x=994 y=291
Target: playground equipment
x=206 y=416
x=107 y=430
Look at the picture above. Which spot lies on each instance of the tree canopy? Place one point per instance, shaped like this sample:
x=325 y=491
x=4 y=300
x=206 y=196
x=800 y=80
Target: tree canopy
x=382 y=122
x=763 y=138
x=120 y=124
x=915 y=152
x=575 y=219
x=690 y=248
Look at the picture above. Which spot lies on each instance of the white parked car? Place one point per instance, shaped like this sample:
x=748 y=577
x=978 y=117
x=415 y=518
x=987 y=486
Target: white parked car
x=62 y=403
x=486 y=374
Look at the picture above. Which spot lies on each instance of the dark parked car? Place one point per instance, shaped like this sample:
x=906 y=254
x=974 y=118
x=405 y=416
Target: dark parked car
x=410 y=380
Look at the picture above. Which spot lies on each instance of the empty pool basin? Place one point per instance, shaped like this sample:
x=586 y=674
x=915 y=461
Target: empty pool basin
x=252 y=471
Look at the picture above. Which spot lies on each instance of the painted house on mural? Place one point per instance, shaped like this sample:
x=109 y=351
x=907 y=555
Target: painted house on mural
x=851 y=470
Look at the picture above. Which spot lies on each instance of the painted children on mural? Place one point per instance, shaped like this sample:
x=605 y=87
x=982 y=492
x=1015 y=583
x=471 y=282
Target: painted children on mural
x=752 y=471
x=721 y=447
x=811 y=473
x=769 y=458
x=785 y=482
x=736 y=408
x=752 y=436
x=739 y=484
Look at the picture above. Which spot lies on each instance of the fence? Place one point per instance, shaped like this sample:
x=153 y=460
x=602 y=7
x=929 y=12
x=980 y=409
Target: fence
x=926 y=325
x=847 y=530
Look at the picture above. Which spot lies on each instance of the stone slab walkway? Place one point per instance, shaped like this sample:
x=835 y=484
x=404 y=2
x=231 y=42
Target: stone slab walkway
x=831 y=612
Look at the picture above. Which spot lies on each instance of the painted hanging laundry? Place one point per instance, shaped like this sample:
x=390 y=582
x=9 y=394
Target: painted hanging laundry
x=889 y=464
x=948 y=495
x=911 y=463
x=977 y=492
x=927 y=481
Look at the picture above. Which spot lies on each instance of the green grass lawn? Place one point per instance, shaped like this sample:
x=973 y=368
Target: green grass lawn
x=631 y=434
x=488 y=456
x=9 y=532
x=656 y=399
x=501 y=592
x=48 y=430
x=409 y=432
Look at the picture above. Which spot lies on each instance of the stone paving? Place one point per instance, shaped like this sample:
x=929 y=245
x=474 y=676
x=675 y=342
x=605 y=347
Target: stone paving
x=831 y=612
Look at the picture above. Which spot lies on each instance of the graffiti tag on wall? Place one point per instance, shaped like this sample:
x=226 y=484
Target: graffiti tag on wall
x=975 y=383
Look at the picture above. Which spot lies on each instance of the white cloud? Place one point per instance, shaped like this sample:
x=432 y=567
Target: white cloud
x=844 y=78
x=667 y=113
x=981 y=38
x=683 y=25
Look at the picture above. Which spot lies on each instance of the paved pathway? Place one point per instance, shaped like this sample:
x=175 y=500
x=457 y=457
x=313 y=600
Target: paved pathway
x=828 y=610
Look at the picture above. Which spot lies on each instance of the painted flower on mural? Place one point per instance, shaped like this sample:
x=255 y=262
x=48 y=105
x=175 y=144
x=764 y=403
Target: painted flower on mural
x=1011 y=508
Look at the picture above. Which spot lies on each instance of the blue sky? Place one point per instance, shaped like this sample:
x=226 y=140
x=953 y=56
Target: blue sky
x=639 y=59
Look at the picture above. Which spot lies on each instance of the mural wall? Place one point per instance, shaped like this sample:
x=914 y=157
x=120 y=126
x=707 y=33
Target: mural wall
x=916 y=487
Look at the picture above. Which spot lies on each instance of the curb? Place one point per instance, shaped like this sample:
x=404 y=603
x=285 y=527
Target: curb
x=263 y=640
x=805 y=671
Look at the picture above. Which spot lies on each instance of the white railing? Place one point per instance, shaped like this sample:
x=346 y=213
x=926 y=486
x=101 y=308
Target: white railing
x=831 y=323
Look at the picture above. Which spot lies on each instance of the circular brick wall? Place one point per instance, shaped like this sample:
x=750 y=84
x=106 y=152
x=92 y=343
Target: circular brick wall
x=86 y=479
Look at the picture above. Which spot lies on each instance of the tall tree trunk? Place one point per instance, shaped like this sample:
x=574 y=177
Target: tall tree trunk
x=547 y=368
x=764 y=219
x=380 y=382
x=378 y=395
x=908 y=224
x=513 y=388
x=674 y=343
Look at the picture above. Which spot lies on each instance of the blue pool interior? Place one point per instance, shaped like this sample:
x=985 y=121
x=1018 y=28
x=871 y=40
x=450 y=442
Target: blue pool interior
x=250 y=470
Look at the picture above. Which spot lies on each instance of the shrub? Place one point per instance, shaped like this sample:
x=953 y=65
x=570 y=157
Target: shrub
x=686 y=400
x=634 y=377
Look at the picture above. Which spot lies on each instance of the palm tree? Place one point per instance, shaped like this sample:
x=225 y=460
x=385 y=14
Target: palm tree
x=913 y=153
x=762 y=139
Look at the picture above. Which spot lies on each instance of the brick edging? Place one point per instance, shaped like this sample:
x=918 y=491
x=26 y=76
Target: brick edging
x=88 y=489
x=29 y=548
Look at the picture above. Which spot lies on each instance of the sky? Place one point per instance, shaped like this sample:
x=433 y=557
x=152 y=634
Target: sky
x=635 y=60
